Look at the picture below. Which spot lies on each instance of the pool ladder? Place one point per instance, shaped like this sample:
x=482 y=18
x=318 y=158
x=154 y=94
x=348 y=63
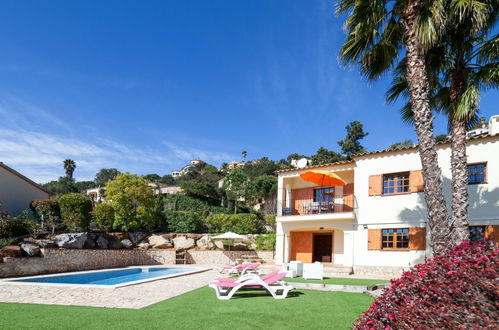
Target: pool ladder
x=181 y=257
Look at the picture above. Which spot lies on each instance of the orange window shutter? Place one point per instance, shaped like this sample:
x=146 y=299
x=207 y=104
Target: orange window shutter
x=374 y=239
x=416 y=182
x=492 y=232
x=417 y=238
x=375 y=183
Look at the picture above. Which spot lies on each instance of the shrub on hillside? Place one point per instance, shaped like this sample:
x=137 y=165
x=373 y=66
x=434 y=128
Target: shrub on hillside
x=458 y=290
x=76 y=211
x=16 y=226
x=104 y=217
x=180 y=202
x=242 y=223
x=184 y=222
x=47 y=212
x=265 y=242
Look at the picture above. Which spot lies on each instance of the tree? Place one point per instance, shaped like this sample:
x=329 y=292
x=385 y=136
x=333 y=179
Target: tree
x=463 y=62
x=82 y=186
x=259 y=167
x=244 y=154
x=294 y=156
x=377 y=32
x=152 y=177
x=325 y=156
x=441 y=138
x=401 y=145
x=75 y=211
x=62 y=186
x=132 y=200
x=104 y=175
x=351 y=145
x=69 y=167
x=202 y=190
x=167 y=179
x=235 y=184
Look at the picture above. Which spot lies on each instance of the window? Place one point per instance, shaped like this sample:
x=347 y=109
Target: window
x=395 y=183
x=477 y=233
x=324 y=194
x=477 y=173
x=395 y=238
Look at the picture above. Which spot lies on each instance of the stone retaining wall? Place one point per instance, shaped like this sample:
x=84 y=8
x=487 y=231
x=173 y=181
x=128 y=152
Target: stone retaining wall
x=378 y=270
x=67 y=260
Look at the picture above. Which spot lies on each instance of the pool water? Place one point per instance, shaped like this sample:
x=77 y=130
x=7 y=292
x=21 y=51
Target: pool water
x=111 y=277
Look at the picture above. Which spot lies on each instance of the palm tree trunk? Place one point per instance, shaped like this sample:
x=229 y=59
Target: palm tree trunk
x=459 y=167
x=419 y=95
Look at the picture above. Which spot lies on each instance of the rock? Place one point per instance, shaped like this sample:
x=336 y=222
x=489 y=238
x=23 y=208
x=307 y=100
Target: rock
x=89 y=243
x=239 y=247
x=159 y=242
x=183 y=242
x=71 y=241
x=126 y=244
x=135 y=238
x=114 y=244
x=219 y=244
x=45 y=243
x=30 y=249
x=144 y=245
x=11 y=251
x=204 y=242
x=101 y=242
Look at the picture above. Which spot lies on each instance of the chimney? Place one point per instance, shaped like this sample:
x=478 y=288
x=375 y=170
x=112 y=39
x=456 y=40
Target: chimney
x=494 y=125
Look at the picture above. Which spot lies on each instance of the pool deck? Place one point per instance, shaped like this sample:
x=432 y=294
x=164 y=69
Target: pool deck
x=134 y=296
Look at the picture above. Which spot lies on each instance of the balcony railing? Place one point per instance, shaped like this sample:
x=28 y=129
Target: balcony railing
x=309 y=206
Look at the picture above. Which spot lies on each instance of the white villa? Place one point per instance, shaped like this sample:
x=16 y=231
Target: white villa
x=186 y=168
x=377 y=222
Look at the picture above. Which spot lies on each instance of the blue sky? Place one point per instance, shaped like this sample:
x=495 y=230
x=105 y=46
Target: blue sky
x=144 y=86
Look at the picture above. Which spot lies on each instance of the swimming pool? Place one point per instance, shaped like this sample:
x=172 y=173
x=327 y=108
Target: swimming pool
x=109 y=278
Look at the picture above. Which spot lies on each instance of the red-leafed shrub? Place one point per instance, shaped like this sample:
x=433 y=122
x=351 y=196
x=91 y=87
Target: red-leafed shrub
x=457 y=290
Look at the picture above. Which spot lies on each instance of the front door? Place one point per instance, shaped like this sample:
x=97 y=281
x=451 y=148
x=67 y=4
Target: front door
x=323 y=247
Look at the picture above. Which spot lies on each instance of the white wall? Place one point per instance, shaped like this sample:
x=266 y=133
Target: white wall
x=16 y=193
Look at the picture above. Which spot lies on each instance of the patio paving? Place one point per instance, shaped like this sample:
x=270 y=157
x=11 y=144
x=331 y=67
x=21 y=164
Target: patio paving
x=134 y=296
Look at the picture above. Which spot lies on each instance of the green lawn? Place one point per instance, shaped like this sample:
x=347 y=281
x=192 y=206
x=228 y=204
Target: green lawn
x=338 y=280
x=198 y=309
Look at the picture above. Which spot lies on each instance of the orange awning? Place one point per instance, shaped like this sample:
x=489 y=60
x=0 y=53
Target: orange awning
x=323 y=178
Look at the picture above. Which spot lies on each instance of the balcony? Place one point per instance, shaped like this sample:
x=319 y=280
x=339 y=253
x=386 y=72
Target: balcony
x=343 y=204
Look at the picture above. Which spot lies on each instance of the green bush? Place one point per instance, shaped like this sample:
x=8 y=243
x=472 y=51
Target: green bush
x=184 y=222
x=180 y=202
x=104 y=217
x=17 y=226
x=270 y=220
x=242 y=223
x=6 y=242
x=76 y=211
x=47 y=212
x=265 y=242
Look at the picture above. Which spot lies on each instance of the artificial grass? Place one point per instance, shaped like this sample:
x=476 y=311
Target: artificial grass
x=199 y=309
x=337 y=280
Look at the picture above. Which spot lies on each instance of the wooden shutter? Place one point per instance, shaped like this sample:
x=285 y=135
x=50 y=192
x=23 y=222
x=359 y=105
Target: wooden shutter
x=375 y=185
x=417 y=238
x=301 y=246
x=348 y=197
x=416 y=182
x=374 y=239
x=301 y=196
x=492 y=232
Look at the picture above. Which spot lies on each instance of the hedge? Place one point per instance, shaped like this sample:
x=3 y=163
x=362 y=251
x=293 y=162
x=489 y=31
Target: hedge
x=242 y=223
x=75 y=211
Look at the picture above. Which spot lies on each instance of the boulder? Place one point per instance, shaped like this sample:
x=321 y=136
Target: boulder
x=101 y=242
x=183 y=243
x=144 y=245
x=219 y=244
x=71 y=241
x=30 y=249
x=45 y=243
x=135 y=238
x=204 y=242
x=239 y=247
x=159 y=242
x=89 y=243
x=11 y=251
x=114 y=244
x=126 y=244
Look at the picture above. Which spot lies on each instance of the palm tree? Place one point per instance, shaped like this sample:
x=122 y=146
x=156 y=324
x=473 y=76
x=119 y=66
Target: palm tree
x=376 y=32
x=244 y=153
x=69 y=167
x=463 y=62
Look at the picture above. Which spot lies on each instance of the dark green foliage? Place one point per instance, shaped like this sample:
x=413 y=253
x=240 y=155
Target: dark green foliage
x=325 y=156
x=202 y=190
x=294 y=156
x=75 y=211
x=270 y=220
x=105 y=175
x=401 y=145
x=69 y=168
x=82 y=186
x=441 y=138
x=47 y=212
x=180 y=202
x=259 y=167
x=260 y=188
x=242 y=223
x=6 y=242
x=201 y=172
x=167 y=179
x=16 y=226
x=104 y=217
x=265 y=242
x=152 y=177
x=60 y=187
x=184 y=222
x=351 y=145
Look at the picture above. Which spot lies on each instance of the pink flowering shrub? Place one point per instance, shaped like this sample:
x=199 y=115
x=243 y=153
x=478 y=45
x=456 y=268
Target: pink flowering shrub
x=457 y=290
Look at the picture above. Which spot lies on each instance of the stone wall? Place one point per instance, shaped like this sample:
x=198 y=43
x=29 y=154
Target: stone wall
x=67 y=260
x=378 y=270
